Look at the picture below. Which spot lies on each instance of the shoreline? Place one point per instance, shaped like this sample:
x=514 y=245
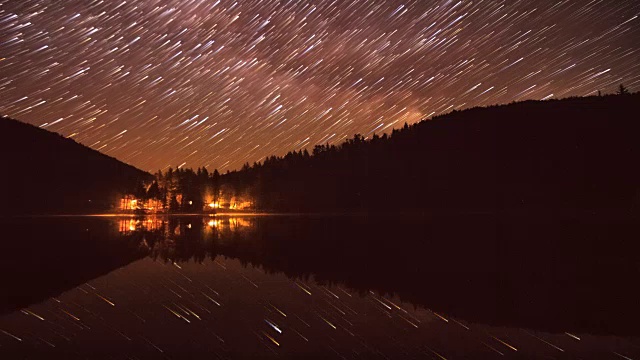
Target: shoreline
x=582 y=213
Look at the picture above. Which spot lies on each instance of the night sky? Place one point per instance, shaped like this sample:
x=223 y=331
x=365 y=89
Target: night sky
x=160 y=83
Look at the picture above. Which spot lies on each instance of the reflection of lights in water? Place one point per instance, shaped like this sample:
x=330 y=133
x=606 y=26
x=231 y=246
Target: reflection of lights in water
x=228 y=223
x=240 y=222
x=149 y=224
x=127 y=225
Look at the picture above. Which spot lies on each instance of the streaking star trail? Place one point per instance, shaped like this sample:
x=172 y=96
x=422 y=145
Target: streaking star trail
x=221 y=83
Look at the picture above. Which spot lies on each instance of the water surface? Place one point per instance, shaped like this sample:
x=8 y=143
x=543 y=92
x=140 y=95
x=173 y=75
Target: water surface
x=449 y=287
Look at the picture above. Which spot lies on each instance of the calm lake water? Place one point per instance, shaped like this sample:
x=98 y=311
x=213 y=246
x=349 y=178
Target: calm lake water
x=354 y=287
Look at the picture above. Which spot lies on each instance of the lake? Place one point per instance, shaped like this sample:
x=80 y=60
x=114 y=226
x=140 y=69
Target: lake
x=343 y=287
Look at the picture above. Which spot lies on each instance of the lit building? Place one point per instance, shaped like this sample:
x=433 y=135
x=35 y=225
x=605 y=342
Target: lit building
x=131 y=204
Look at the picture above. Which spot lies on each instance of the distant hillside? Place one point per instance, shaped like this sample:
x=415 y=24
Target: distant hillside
x=46 y=173
x=577 y=154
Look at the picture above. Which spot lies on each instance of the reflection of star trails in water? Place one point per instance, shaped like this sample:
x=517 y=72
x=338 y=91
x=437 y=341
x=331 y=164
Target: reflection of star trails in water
x=383 y=304
x=252 y=283
x=11 y=335
x=544 y=341
x=622 y=356
x=328 y=322
x=278 y=310
x=303 y=289
x=210 y=299
x=179 y=316
x=274 y=326
x=279 y=320
x=492 y=348
x=505 y=344
x=437 y=354
x=440 y=316
x=407 y=320
x=71 y=315
x=573 y=336
x=28 y=312
x=105 y=299
x=271 y=338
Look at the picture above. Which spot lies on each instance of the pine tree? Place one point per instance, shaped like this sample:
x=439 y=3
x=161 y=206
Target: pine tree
x=622 y=90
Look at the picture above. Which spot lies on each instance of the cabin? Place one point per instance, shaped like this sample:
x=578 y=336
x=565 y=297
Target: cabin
x=129 y=203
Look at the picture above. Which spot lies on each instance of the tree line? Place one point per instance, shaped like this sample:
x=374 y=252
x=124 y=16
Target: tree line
x=556 y=154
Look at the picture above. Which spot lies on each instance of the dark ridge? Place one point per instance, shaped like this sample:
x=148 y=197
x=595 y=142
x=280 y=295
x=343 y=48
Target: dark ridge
x=46 y=173
x=563 y=156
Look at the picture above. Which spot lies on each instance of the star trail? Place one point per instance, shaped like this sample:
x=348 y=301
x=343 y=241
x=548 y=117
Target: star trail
x=159 y=83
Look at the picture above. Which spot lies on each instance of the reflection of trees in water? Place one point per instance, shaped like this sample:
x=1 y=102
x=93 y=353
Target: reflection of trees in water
x=46 y=256
x=515 y=272
x=126 y=225
x=174 y=239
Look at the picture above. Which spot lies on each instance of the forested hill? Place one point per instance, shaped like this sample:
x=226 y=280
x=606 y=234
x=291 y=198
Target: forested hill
x=46 y=173
x=576 y=154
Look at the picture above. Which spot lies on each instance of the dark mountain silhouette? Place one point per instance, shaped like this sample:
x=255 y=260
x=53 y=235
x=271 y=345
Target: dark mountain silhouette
x=570 y=155
x=46 y=173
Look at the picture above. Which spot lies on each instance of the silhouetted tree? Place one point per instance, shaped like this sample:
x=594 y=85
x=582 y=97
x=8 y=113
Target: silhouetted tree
x=215 y=182
x=154 y=191
x=173 y=204
x=140 y=192
x=622 y=90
